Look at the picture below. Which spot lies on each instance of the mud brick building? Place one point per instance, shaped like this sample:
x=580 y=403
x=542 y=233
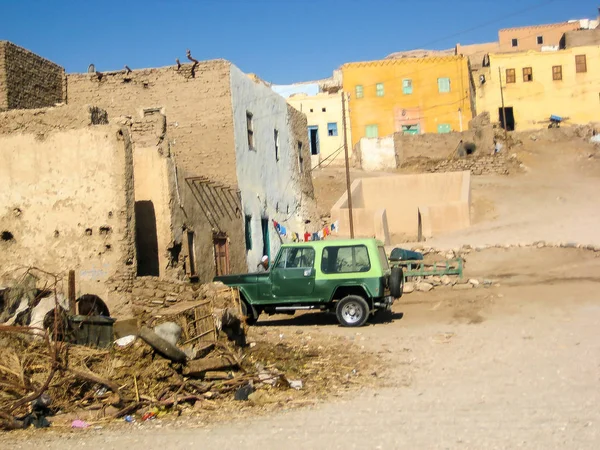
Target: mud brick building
x=207 y=158
x=28 y=80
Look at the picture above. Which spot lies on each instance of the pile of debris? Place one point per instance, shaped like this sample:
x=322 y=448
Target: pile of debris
x=192 y=356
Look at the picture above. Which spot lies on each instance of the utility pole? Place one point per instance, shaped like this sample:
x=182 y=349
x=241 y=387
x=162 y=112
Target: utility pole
x=347 y=166
x=503 y=108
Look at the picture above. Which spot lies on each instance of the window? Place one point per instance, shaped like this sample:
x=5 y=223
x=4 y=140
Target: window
x=276 y=141
x=250 y=129
x=248 y=232
x=332 y=129
x=557 y=73
x=300 y=158
x=385 y=265
x=443 y=128
x=379 y=90
x=515 y=42
x=511 y=76
x=580 y=64
x=407 y=87
x=372 y=131
x=296 y=258
x=345 y=259
x=527 y=74
x=444 y=85
x=323 y=109
x=359 y=91
x=540 y=40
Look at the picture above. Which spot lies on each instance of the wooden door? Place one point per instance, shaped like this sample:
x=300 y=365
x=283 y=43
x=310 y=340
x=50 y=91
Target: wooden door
x=221 y=245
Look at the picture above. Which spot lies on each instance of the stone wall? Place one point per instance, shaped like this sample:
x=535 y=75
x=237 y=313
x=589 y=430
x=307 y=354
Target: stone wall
x=439 y=146
x=499 y=164
x=27 y=80
x=67 y=199
x=196 y=101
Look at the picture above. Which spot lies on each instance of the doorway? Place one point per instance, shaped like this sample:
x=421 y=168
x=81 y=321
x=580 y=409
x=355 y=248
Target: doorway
x=146 y=239
x=221 y=246
x=191 y=255
x=313 y=136
x=264 y=223
x=510 y=118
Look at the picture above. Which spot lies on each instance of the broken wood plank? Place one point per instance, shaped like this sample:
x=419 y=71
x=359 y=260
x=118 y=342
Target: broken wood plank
x=201 y=366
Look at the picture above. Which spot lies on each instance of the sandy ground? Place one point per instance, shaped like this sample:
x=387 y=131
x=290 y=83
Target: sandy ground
x=555 y=200
x=516 y=365
x=512 y=366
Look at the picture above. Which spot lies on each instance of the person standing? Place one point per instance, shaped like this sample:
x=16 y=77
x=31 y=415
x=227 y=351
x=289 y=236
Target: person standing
x=263 y=265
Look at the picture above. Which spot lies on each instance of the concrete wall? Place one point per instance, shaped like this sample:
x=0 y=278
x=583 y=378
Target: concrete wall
x=376 y=154
x=443 y=200
x=425 y=106
x=271 y=189
x=67 y=198
x=28 y=80
x=197 y=104
x=580 y=38
x=575 y=96
x=320 y=110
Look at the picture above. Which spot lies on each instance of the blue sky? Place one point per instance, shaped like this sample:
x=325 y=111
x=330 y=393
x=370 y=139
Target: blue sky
x=283 y=41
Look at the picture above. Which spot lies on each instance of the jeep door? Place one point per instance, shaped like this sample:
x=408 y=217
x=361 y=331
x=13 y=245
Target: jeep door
x=293 y=275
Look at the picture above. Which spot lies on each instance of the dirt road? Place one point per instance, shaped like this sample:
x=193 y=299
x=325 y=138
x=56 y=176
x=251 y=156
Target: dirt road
x=513 y=366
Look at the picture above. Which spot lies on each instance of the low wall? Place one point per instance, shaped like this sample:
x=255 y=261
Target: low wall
x=391 y=206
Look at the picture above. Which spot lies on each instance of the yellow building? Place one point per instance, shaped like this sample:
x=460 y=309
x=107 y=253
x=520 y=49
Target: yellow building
x=325 y=130
x=410 y=95
x=537 y=85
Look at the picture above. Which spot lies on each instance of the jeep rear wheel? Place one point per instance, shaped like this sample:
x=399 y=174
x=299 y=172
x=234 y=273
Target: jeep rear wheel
x=352 y=311
x=396 y=282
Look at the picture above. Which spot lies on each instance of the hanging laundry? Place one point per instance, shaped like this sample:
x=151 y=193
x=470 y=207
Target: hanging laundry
x=306 y=237
x=335 y=226
x=326 y=231
x=315 y=237
x=321 y=234
x=295 y=237
x=282 y=230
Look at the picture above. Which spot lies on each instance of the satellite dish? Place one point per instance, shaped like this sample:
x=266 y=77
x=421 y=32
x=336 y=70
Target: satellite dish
x=91 y=68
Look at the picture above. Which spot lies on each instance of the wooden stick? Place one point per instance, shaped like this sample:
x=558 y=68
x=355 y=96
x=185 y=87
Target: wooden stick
x=137 y=392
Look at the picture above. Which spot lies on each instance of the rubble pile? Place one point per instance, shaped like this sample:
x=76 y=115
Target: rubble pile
x=499 y=164
x=177 y=361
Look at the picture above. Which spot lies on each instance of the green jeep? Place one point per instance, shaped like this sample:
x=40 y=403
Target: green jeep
x=351 y=277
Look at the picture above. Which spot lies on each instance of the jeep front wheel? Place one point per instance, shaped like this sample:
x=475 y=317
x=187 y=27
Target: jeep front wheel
x=352 y=311
x=248 y=314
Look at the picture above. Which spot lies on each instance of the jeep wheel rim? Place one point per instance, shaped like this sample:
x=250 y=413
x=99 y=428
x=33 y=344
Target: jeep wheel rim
x=352 y=312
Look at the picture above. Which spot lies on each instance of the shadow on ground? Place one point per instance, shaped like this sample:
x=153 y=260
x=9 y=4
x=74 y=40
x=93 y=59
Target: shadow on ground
x=319 y=318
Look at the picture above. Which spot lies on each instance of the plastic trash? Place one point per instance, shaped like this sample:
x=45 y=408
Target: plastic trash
x=79 y=424
x=125 y=341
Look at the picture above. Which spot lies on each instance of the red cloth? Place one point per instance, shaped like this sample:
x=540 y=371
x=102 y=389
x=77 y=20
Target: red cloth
x=306 y=237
